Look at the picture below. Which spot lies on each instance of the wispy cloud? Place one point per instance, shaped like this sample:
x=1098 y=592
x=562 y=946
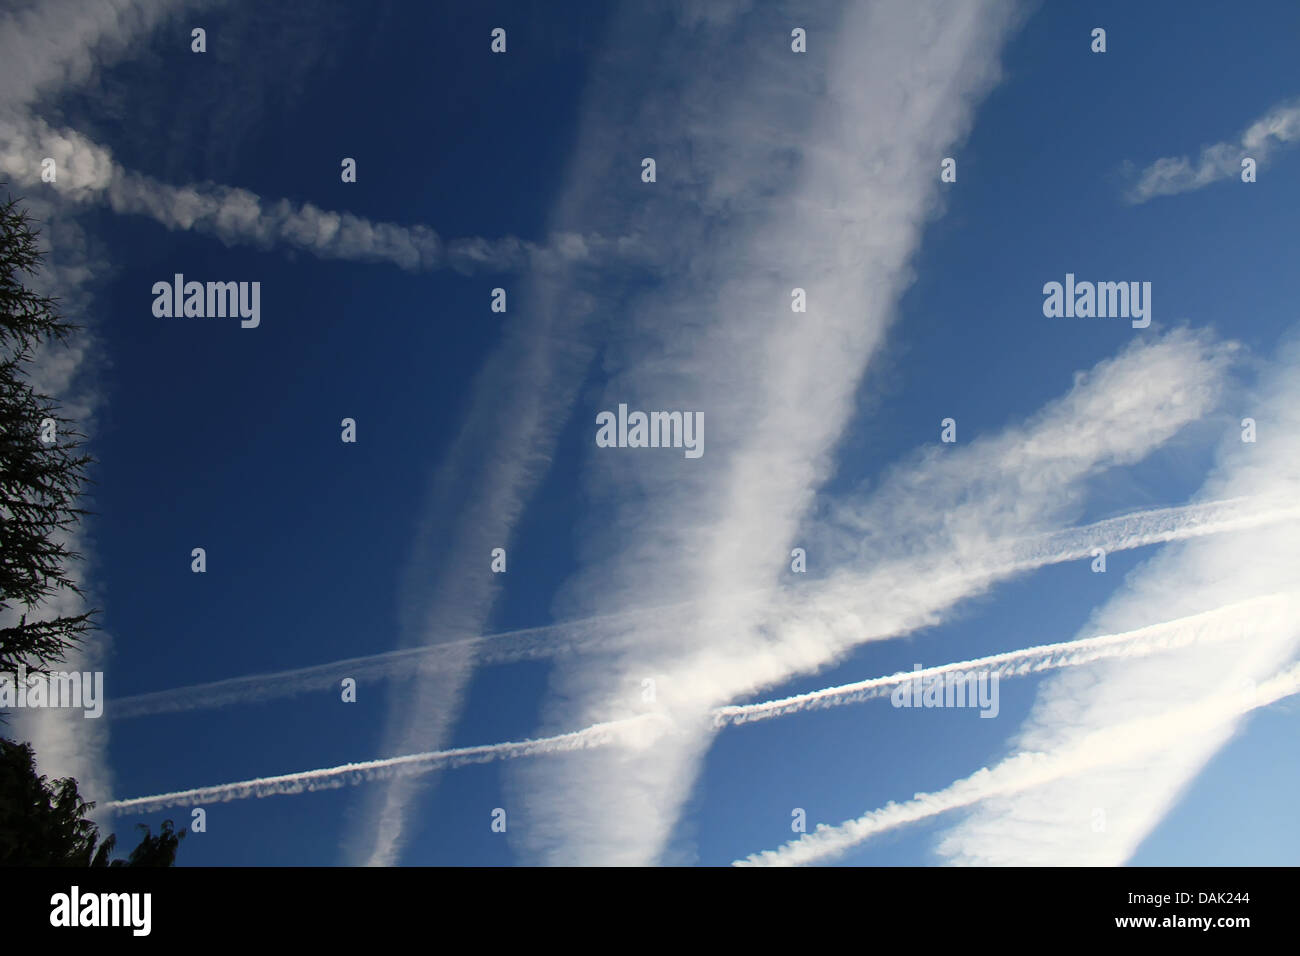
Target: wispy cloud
x=49 y=46
x=1275 y=130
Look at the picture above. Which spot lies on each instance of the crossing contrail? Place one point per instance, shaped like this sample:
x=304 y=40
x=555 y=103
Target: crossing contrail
x=1139 y=529
x=1223 y=623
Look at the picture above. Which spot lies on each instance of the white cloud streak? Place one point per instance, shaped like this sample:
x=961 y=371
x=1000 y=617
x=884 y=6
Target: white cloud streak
x=55 y=44
x=87 y=172
x=1277 y=129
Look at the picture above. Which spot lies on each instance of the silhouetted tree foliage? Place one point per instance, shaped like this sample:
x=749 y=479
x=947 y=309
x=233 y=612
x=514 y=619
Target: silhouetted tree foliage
x=44 y=824
x=40 y=481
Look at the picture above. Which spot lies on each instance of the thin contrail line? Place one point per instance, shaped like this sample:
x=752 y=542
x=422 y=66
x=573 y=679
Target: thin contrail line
x=1155 y=638
x=505 y=647
x=1135 y=530
x=597 y=735
x=1168 y=635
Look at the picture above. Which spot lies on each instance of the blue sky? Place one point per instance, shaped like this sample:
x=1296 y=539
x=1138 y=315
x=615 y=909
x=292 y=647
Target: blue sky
x=475 y=429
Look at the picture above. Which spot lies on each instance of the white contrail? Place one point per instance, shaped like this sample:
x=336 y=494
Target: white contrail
x=88 y=173
x=1168 y=635
x=598 y=735
x=1229 y=622
x=1155 y=526
x=1024 y=771
x=505 y=647
x=1140 y=529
